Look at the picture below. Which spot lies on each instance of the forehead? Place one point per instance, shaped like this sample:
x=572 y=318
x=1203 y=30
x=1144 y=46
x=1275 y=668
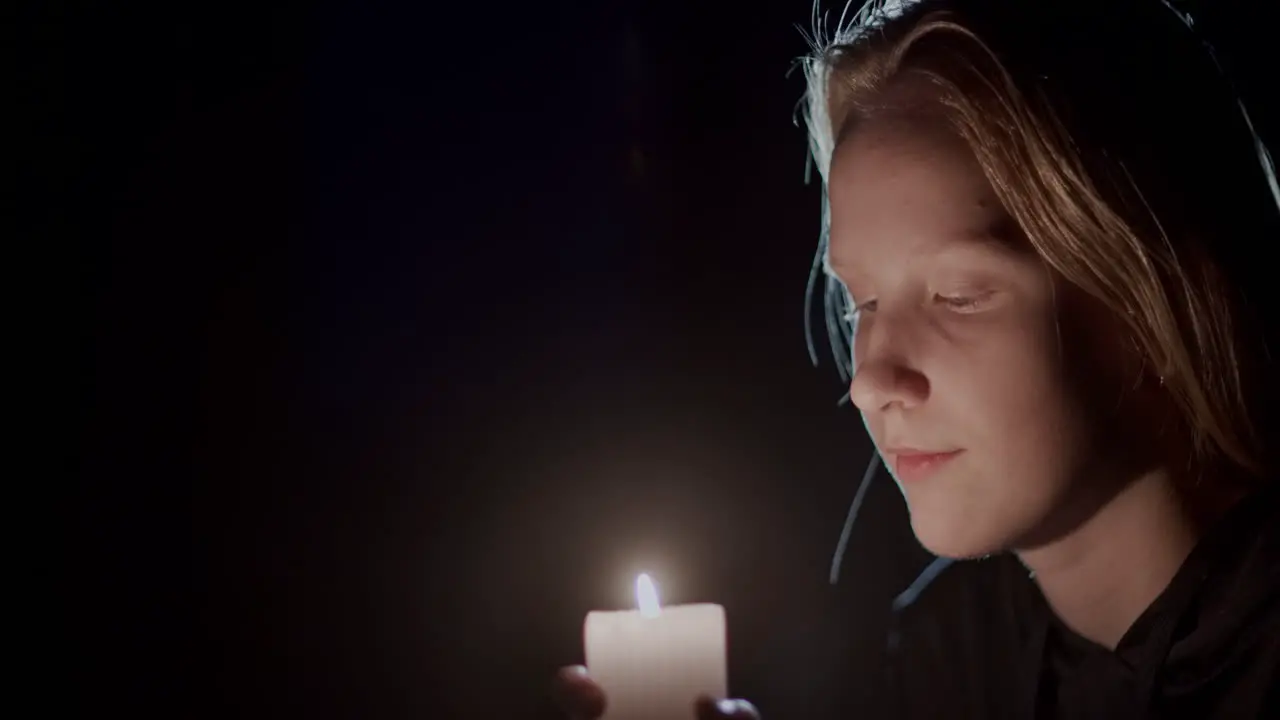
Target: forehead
x=907 y=185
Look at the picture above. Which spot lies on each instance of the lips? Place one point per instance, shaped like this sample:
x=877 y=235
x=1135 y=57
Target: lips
x=911 y=466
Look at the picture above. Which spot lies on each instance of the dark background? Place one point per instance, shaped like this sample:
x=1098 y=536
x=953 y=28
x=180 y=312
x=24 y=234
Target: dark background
x=412 y=333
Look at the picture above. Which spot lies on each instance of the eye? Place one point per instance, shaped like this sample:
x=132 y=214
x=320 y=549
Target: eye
x=965 y=303
x=855 y=309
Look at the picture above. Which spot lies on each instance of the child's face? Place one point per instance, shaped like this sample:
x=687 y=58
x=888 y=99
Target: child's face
x=962 y=346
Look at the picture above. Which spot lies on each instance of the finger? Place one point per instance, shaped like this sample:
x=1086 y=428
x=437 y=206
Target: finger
x=711 y=709
x=577 y=694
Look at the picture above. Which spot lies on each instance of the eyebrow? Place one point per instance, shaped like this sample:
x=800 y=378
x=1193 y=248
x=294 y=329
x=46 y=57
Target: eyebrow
x=1001 y=237
x=994 y=238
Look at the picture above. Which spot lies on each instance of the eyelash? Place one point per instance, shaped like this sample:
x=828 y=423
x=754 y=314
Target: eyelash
x=957 y=303
x=855 y=309
x=964 y=303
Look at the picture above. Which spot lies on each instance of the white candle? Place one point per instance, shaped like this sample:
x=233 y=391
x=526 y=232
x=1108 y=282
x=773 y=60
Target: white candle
x=654 y=662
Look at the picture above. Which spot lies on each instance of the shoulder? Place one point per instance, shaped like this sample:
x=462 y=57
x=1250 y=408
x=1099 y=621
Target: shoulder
x=1225 y=658
x=1240 y=580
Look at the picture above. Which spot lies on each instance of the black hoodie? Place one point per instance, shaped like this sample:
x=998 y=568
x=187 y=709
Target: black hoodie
x=980 y=642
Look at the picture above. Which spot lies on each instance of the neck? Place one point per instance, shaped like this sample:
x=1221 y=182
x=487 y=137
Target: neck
x=1100 y=577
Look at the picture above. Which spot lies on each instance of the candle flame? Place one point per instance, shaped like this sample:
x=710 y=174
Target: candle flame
x=647 y=596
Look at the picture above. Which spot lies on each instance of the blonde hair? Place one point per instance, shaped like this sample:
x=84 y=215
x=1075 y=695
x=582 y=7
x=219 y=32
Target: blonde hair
x=1080 y=203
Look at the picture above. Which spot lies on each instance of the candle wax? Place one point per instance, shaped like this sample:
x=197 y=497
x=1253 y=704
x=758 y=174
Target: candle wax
x=654 y=668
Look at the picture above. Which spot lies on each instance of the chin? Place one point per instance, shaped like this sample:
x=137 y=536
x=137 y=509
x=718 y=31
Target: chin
x=957 y=538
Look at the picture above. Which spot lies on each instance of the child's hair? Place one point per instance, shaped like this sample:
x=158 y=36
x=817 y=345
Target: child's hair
x=1120 y=150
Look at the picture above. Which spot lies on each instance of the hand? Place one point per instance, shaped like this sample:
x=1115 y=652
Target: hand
x=582 y=699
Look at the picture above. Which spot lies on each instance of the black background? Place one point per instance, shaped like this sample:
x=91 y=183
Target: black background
x=412 y=333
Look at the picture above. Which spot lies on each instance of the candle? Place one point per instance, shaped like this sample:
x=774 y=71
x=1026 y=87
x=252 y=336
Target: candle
x=654 y=662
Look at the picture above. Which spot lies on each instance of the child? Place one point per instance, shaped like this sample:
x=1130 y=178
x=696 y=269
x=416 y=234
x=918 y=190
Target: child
x=1044 y=240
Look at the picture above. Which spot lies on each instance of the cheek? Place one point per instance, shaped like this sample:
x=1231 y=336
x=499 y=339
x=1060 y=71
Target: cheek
x=1007 y=395
x=1024 y=444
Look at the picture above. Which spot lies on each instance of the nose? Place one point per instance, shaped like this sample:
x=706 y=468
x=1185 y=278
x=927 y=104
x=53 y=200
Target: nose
x=884 y=381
